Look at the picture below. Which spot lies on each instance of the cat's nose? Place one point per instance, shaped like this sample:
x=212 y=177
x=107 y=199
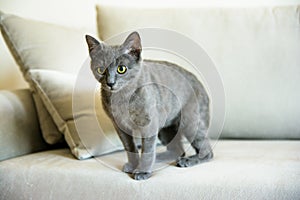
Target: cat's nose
x=110 y=84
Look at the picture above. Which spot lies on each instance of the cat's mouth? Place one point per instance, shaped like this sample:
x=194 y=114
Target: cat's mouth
x=113 y=88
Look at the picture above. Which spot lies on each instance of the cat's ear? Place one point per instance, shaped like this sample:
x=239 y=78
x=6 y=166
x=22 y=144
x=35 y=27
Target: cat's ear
x=92 y=42
x=132 y=45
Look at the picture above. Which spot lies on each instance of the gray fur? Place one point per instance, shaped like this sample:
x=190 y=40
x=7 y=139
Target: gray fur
x=153 y=99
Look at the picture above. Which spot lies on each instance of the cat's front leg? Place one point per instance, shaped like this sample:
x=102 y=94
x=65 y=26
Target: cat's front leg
x=147 y=160
x=132 y=152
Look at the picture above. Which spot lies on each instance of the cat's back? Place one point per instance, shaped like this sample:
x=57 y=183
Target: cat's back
x=183 y=84
x=170 y=72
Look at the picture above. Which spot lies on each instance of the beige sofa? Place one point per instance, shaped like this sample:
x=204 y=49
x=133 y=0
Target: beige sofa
x=255 y=48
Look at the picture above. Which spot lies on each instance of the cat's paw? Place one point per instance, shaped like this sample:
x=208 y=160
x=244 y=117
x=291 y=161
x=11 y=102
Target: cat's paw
x=141 y=175
x=128 y=168
x=193 y=160
x=183 y=162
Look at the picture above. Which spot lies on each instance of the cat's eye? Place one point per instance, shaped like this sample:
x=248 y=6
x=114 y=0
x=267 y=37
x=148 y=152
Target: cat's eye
x=99 y=70
x=122 y=69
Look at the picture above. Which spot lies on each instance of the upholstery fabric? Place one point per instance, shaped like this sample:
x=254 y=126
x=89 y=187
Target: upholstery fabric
x=240 y=170
x=19 y=133
x=256 y=49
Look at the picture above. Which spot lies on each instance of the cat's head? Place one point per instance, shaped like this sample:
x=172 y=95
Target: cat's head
x=115 y=66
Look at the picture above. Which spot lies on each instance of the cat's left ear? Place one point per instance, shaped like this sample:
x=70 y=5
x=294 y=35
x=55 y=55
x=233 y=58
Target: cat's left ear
x=92 y=42
x=132 y=45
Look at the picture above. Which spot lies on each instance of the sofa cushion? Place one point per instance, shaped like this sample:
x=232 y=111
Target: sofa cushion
x=256 y=49
x=19 y=132
x=240 y=170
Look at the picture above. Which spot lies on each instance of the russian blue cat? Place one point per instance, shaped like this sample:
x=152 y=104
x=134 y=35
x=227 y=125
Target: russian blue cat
x=150 y=100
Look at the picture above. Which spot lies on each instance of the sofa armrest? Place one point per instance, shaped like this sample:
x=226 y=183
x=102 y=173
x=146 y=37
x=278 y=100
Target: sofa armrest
x=19 y=127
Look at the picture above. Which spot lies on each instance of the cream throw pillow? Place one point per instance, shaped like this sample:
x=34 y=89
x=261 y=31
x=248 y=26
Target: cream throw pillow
x=26 y=40
x=49 y=57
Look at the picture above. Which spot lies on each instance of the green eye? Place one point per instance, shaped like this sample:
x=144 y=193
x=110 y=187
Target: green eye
x=99 y=70
x=122 y=69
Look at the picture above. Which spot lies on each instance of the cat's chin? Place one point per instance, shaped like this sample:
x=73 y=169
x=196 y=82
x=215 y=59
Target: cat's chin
x=113 y=90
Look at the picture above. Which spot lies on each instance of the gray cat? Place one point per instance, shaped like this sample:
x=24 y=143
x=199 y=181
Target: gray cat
x=150 y=99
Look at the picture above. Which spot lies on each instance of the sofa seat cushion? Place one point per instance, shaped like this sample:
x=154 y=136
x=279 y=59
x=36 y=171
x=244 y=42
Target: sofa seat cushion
x=240 y=170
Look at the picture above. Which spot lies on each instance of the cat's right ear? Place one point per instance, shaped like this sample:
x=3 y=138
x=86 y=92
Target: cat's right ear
x=132 y=45
x=92 y=42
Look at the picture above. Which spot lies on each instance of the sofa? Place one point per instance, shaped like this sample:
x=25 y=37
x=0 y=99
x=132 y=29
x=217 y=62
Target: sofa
x=46 y=153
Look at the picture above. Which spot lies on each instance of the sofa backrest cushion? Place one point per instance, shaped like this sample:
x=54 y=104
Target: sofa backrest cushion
x=256 y=50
